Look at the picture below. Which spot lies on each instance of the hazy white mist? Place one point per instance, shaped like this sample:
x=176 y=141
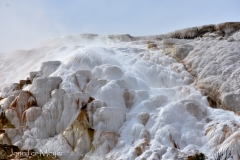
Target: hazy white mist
x=24 y=24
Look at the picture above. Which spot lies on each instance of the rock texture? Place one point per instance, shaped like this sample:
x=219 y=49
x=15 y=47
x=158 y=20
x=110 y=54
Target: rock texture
x=124 y=97
x=213 y=60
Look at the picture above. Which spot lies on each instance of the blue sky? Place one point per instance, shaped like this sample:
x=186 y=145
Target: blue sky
x=23 y=24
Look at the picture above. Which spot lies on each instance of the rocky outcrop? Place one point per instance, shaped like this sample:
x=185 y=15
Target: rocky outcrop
x=123 y=37
x=228 y=27
x=22 y=102
x=191 y=33
x=216 y=70
x=80 y=133
x=4 y=139
x=134 y=98
x=47 y=68
x=42 y=88
x=214 y=66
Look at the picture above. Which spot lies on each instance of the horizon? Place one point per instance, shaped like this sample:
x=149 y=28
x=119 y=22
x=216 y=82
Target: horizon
x=27 y=23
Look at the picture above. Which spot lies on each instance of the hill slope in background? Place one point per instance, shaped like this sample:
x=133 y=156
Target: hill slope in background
x=123 y=97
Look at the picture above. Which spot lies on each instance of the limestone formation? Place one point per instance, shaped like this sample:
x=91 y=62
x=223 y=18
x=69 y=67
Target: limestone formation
x=47 y=68
x=42 y=88
x=123 y=97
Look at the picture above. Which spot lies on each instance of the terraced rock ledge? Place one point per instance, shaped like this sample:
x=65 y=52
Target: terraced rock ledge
x=89 y=96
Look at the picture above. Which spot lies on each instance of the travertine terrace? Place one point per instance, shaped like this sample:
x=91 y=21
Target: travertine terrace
x=90 y=96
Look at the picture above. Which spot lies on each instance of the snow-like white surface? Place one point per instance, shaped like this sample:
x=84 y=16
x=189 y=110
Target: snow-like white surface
x=146 y=105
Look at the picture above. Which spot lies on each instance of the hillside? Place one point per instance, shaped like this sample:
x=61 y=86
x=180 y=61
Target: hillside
x=90 y=96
